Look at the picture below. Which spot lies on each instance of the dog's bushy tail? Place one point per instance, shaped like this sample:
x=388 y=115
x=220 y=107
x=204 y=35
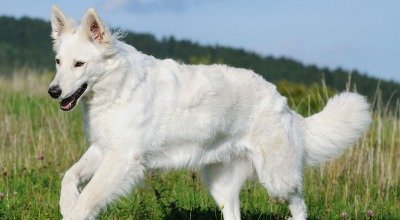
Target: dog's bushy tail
x=328 y=133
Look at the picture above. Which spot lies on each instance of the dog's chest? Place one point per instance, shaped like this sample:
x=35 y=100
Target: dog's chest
x=108 y=127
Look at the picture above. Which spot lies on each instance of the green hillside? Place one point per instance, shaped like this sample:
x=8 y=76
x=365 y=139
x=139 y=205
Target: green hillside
x=25 y=43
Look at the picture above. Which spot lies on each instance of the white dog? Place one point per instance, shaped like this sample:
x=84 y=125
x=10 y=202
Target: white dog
x=143 y=113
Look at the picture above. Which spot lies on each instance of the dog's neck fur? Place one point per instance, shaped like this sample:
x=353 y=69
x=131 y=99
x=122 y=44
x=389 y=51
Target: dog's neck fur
x=128 y=68
x=126 y=71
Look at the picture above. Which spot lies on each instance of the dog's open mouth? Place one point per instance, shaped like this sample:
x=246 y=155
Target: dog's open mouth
x=70 y=102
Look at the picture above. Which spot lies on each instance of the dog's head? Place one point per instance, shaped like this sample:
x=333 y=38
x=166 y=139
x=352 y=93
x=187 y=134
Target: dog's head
x=81 y=55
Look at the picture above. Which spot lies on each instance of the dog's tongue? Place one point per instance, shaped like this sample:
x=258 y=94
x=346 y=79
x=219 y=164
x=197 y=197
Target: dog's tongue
x=67 y=104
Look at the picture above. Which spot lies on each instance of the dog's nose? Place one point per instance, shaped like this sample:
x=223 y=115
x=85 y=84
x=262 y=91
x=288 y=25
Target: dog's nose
x=55 y=91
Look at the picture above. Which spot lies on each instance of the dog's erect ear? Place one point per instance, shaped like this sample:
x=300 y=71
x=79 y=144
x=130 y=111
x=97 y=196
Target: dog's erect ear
x=59 y=23
x=94 y=28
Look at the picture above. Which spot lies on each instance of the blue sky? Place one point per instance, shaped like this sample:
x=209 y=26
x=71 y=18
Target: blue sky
x=352 y=34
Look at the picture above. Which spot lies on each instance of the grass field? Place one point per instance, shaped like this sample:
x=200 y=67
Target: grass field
x=39 y=142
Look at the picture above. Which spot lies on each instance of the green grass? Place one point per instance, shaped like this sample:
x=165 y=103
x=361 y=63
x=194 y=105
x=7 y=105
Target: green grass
x=38 y=143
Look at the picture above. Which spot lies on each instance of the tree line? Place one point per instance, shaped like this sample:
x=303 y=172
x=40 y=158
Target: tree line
x=26 y=43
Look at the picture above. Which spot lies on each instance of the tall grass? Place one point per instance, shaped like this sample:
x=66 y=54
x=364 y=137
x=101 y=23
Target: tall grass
x=38 y=143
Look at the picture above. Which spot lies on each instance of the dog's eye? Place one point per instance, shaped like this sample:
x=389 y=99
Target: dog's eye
x=58 y=61
x=79 y=64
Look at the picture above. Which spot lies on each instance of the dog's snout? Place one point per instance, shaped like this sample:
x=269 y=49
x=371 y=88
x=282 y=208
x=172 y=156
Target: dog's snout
x=55 y=91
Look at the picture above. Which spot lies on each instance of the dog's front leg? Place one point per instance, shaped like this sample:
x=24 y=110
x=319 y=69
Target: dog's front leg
x=116 y=175
x=81 y=171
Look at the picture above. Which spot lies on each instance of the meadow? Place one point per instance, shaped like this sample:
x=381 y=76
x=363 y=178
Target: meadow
x=39 y=142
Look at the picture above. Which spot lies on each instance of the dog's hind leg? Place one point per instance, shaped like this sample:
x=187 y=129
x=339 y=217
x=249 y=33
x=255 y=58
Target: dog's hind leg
x=297 y=206
x=224 y=181
x=279 y=164
x=284 y=183
x=281 y=175
x=81 y=171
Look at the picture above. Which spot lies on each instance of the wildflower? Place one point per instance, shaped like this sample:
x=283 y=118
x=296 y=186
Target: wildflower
x=344 y=215
x=40 y=157
x=370 y=213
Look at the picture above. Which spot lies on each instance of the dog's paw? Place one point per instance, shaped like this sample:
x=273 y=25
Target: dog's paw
x=67 y=200
x=79 y=213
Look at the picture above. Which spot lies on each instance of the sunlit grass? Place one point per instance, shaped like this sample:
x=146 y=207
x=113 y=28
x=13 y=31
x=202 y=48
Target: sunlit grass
x=38 y=143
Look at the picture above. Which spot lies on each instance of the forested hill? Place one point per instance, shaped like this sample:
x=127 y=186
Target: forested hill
x=26 y=43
